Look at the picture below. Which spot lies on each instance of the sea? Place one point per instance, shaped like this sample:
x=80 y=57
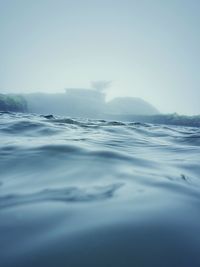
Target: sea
x=96 y=193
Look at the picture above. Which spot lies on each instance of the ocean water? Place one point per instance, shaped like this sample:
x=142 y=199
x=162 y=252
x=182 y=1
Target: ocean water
x=98 y=193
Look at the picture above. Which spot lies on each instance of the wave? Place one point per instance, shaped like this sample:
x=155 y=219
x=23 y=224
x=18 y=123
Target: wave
x=73 y=194
x=105 y=190
x=167 y=119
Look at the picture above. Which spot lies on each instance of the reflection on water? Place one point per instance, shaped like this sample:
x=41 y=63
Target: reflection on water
x=79 y=192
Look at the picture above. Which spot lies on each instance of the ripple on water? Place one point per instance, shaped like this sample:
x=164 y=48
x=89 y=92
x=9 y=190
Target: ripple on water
x=72 y=194
x=114 y=193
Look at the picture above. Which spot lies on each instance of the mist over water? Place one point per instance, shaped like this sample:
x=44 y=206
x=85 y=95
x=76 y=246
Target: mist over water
x=99 y=133
x=148 y=49
x=82 y=192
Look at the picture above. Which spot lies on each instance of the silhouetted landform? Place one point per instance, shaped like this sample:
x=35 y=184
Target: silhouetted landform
x=75 y=102
x=130 y=105
x=14 y=103
x=90 y=103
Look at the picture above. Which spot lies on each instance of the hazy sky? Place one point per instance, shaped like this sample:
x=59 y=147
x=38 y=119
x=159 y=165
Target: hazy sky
x=148 y=48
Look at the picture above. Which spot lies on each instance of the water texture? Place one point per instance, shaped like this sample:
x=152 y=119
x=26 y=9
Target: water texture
x=77 y=192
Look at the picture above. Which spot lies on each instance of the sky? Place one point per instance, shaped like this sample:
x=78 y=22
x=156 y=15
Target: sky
x=147 y=48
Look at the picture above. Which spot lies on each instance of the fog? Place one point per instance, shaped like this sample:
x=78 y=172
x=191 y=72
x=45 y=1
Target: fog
x=86 y=103
x=146 y=49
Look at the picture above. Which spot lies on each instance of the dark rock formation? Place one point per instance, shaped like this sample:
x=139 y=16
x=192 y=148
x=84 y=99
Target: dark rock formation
x=11 y=102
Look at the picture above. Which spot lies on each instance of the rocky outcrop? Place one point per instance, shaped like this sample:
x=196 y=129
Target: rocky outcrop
x=13 y=103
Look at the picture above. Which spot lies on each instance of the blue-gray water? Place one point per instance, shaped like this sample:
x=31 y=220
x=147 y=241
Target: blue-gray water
x=97 y=193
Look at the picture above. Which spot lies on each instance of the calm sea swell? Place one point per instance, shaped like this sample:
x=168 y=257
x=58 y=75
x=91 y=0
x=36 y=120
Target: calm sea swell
x=77 y=192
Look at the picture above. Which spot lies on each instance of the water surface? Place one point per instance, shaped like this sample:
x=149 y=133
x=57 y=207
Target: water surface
x=77 y=192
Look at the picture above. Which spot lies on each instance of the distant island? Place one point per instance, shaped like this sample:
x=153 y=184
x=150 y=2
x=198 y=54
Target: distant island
x=78 y=102
x=91 y=103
